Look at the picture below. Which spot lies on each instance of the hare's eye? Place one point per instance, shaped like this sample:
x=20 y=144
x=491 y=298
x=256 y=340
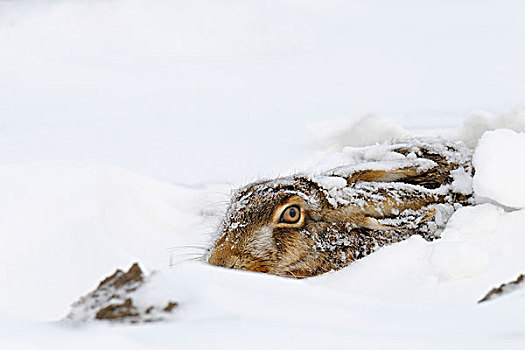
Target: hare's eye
x=291 y=215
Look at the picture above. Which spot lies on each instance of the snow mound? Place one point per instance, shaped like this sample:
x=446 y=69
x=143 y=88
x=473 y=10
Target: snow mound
x=50 y=235
x=134 y=207
x=500 y=167
x=480 y=122
x=366 y=129
x=76 y=222
x=480 y=247
x=339 y=139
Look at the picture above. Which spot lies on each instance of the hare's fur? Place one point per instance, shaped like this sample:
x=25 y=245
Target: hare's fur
x=339 y=224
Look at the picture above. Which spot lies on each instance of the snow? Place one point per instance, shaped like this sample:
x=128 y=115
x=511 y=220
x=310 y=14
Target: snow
x=54 y=246
x=480 y=122
x=125 y=124
x=480 y=246
x=334 y=134
x=462 y=182
x=499 y=159
x=407 y=294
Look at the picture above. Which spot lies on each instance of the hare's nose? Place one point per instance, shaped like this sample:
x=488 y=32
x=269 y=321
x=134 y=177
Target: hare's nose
x=229 y=261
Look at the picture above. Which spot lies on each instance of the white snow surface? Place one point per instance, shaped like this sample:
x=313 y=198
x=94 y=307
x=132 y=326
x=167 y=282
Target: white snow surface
x=65 y=225
x=500 y=160
x=105 y=105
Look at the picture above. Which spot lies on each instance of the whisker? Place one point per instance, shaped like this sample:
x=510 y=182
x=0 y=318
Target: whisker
x=230 y=185
x=171 y=249
x=217 y=204
x=222 y=193
x=188 y=246
x=185 y=254
x=185 y=260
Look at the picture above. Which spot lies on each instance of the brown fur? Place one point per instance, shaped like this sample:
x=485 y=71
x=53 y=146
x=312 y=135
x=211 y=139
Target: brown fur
x=329 y=237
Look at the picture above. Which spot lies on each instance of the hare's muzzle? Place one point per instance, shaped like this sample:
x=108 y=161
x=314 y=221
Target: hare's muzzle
x=223 y=254
x=229 y=261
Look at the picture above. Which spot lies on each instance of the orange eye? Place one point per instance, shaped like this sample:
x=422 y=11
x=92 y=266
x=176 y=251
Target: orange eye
x=291 y=215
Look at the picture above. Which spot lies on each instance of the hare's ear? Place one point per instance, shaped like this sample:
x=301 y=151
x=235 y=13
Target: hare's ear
x=382 y=175
x=374 y=224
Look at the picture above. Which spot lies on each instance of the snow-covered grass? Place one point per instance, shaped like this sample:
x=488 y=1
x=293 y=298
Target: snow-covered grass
x=104 y=105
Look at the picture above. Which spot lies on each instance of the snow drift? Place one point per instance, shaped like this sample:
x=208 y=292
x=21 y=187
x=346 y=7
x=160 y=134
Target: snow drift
x=110 y=217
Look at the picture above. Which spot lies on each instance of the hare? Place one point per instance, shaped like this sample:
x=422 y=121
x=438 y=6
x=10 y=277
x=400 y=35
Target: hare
x=304 y=225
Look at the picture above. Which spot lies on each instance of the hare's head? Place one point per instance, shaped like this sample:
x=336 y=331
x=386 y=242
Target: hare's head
x=272 y=227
